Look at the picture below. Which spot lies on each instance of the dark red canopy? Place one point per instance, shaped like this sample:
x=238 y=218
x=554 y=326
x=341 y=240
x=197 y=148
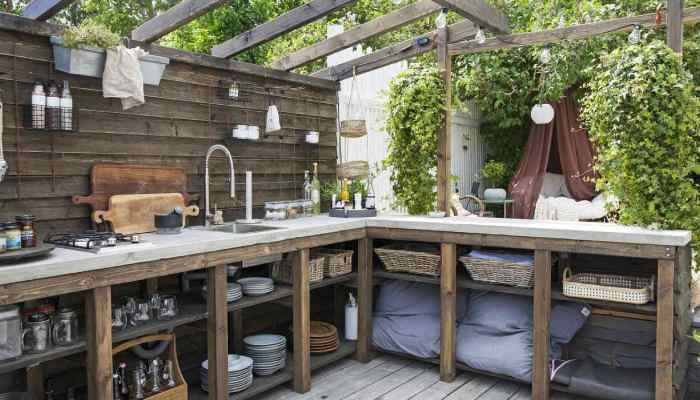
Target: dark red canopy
x=575 y=158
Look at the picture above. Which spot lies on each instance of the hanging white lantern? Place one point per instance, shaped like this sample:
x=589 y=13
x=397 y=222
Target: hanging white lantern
x=441 y=20
x=480 y=36
x=542 y=114
x=273 y=120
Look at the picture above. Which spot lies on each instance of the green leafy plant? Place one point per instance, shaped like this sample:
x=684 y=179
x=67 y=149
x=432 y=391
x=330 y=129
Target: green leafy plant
x=90 y=34
x=643 y=116
x=495 y=174
x=358 y=186
x=416 y=112
x=328 y=189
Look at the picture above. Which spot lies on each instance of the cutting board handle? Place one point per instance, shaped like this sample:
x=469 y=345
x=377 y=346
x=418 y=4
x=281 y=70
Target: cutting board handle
x=101 y=216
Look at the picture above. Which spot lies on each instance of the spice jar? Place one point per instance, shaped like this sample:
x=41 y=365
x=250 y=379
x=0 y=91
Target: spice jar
x=26 y=227
x=3 y=239
x=13 y=236
x=65 y=327
x=36 y=336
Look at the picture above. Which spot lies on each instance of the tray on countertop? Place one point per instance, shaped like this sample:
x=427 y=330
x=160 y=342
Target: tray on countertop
x=343 y=213
x=14 y=256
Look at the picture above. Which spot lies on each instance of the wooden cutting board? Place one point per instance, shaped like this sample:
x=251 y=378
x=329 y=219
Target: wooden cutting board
x=134 y=213
x=107 y=180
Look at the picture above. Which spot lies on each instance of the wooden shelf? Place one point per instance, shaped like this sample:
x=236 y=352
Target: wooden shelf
x=262 y=384
x=464 y=282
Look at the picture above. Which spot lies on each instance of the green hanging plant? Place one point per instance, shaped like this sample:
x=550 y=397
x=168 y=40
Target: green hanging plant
x=416 y=112
x=644 y=119
x=90 y=34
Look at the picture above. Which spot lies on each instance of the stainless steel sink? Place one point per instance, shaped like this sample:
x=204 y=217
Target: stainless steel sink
x=237 y=228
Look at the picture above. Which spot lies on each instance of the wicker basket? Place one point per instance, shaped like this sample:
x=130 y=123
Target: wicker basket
x=353 y=169
x=414 y=258
x=500 y=272
x=282 y=270
x=608 y=287
x=338 y=262
x=178 y=392
x=353 y=128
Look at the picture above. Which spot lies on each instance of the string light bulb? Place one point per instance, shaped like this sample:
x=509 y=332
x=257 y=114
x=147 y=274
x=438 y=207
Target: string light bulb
x=636 y=35
x=480 y=36
x=546 y=55
x=441 y=20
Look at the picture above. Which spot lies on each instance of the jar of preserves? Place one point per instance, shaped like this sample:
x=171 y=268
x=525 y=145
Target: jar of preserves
x=13 y=236
x=25 y=224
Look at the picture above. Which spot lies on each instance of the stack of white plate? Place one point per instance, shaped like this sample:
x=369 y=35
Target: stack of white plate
x=240 y=373
x=256 y=286
x=269 y=353
x=234 y=292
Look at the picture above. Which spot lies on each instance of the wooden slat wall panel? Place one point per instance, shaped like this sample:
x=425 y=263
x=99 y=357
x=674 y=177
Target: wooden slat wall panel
x=180 y=120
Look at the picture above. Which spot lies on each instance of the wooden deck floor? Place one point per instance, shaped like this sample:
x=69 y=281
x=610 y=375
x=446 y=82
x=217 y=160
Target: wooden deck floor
x=393 y=378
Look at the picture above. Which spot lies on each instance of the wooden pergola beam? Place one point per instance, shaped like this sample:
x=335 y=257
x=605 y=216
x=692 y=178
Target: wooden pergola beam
x=395 y=53
x=173 y=18
x=674 y=20
x=577 y=32
x=480 y=13
x=295 y=18
x=44 y=9
x=378 y=26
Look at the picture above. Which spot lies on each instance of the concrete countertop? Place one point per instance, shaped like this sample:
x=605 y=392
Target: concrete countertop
x=192 y=241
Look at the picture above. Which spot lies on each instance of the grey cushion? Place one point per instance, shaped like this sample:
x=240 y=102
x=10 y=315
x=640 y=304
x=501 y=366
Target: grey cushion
x=417 y=335
x=567 y=319
x=603 y=382
x=614 y=354
x=412 y=298
x=507 y=354
x=503 y=313
x=623 y=330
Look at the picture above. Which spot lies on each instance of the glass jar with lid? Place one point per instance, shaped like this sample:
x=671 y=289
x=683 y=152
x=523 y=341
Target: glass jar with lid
x=65 y=327
x=276 y=210
x=25 y=223
x=13 y=236
x=36 y=336
x=10 y=332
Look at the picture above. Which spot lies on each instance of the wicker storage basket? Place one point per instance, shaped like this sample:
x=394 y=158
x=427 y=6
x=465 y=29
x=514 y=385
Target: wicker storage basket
x=282 y=270
x=338 y=262
x=353 y=128
x=617 y=288
x=353 y=169
x=500 y=272
x=179 y=392
x=414 y=258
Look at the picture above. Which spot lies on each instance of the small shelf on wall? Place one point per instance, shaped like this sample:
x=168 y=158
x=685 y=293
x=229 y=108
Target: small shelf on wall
x=50 y=120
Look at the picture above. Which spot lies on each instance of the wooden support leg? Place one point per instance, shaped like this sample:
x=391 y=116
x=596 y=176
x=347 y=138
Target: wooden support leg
x=664 y=330
x=217 y=333
x=448 y=312
x=364 y=299
x=302 y=322
x=98 y=317
x=151 y=286
x=340 y=295
x=236 y=331
x=542 y=311
x=35 y=382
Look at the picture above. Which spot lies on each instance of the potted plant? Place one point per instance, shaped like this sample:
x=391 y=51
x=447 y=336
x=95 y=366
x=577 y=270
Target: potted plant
x=494 y=174
x=81 y=51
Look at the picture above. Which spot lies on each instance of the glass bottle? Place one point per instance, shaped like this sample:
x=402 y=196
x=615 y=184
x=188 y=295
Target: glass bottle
x=316 y=192
x=370 y=200
x=53 y=108
x=26 y=227
x=307 y=186
x=345 y=191
x=66 y=108
x=13 y=236
x=38 y=106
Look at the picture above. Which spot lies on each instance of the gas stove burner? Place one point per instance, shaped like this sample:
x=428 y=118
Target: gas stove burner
x=92 y=240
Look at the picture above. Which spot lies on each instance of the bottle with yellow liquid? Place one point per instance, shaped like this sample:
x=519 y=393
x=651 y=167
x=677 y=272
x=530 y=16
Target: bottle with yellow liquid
x=345 y=191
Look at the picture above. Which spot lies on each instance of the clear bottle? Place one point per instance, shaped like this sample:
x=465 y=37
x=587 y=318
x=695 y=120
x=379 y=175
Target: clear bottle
x=66 y=108
x=345 y=191
x=53 y=108
x=38 y=106
x=307 y=186
x=316 y=191
x=370 y=200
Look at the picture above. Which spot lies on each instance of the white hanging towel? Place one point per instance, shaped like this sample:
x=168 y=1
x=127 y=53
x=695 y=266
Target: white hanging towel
x=122 y=77
x=273 y=120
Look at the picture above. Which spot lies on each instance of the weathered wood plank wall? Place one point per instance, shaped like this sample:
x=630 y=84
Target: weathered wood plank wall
x=180 y=120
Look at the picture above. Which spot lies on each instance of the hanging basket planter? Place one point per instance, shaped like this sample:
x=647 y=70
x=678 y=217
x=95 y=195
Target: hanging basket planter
x=353 y=128
x=353 y=169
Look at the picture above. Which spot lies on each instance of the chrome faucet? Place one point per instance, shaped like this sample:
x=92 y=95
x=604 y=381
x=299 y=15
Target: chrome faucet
x=208 y=216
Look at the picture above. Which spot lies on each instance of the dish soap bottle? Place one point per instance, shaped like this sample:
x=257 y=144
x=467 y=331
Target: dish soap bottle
x=316 y=192
x=351 y=318
x=345 y=191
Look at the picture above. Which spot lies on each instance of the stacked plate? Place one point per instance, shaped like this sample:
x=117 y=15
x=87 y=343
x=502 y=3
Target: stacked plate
x=240 y=373
x=256 y=286
x=324 y=338
x=234 y=292
x=269 y=353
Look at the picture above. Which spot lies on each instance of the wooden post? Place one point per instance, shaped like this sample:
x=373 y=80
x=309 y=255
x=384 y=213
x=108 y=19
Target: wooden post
x=151 y=286
x=217 y=332
x=674 y=25
x=542 y=311
x=664 y=330
x=301 y=322
x=365 y=254
x=448 y=312
x=98 y=318
x=445 y=134
x=35 y=382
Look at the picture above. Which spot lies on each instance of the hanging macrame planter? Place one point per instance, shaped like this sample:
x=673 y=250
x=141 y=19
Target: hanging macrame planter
x=353 y=169
x=354 y=126
x=543 y=113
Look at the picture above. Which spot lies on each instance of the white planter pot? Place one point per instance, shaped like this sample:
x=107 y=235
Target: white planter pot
x=90 y=61
x=495 y=194
x=542 y=114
